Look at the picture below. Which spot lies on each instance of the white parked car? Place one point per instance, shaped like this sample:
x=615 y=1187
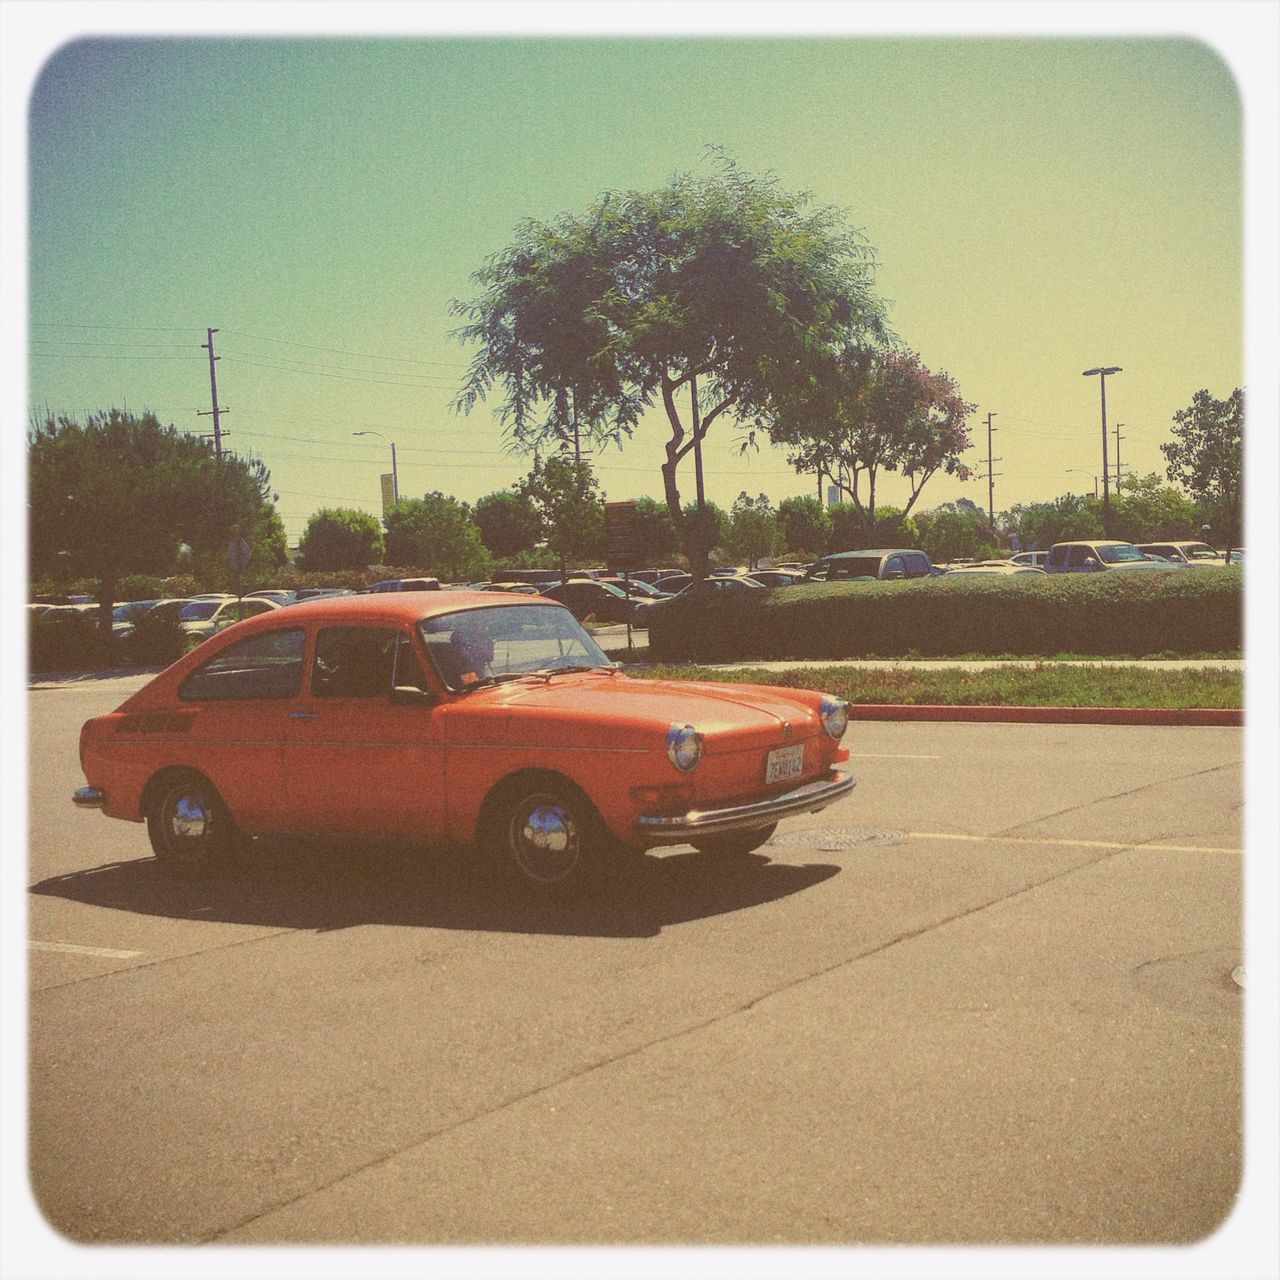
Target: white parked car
x=1192 y=553
x=203 y=618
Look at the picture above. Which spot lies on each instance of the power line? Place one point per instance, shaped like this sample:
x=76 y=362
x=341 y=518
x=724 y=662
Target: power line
x=257 y=337
x=316 y=373
x=306 y=366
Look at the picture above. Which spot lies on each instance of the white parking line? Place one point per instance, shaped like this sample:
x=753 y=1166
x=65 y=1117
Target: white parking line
x=71 y=948
x=872 y=755
x=1136 y=846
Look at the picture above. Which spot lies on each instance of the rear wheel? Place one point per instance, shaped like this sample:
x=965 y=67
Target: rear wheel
x=191 y=830
x=736 y=845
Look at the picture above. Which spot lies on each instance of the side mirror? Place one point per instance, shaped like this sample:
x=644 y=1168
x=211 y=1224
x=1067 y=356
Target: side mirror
x=408 y=695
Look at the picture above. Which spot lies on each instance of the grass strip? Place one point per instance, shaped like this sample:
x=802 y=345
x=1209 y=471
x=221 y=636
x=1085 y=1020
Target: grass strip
x=1038 y=686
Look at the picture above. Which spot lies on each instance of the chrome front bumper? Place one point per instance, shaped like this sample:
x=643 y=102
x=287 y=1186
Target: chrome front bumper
x=88 y=798
x=655 y=830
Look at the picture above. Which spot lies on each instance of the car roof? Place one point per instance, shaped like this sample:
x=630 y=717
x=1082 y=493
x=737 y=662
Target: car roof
x=397 y=606
x=872 y=551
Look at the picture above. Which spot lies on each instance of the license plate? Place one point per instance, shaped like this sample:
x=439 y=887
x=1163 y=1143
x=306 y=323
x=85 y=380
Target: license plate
x=785 y=762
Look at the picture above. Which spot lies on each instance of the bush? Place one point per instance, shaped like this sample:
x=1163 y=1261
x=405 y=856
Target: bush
x=1119 y=613
x=155 y=641
x=68 y=642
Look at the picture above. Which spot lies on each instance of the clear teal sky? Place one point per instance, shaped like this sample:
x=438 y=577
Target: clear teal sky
x=1039 y=206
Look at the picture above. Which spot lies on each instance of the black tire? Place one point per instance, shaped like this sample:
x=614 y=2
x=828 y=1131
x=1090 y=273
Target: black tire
x=191 y=830
x=546 y=837
x=737 y=845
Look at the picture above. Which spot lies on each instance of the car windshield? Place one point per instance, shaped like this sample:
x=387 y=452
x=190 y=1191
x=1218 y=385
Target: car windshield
x=473 y=647
x=1115 y=552
x=200 y=610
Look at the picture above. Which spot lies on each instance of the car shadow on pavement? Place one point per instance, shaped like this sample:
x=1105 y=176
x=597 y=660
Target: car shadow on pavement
x=335 y=884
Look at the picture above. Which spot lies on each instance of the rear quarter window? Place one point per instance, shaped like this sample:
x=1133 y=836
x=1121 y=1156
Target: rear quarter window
x=263 y=666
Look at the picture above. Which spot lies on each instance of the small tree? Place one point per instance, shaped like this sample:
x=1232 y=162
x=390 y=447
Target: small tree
x=653 y=533
x=509 y=523
x=1072 y=517
x=341 y=538
x=957 y=529
x=437 y=534
x=120 y=494
x=1206 y=457
x=1145 y=510
x=568 y=499
x=806 y=526
x=754 y=531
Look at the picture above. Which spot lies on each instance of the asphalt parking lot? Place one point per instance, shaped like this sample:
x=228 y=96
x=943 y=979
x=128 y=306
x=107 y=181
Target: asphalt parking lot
x=988 y=999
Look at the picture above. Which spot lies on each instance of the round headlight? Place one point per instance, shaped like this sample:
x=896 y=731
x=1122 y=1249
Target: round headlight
x=835 y=716
x=684 y=746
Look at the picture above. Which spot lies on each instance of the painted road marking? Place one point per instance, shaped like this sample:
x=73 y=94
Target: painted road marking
x=872 y=755
x=71 y=948
x=1136 y=847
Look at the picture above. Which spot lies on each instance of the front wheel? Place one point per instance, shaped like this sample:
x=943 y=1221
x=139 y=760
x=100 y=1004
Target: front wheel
x=191 y=830
x=736 y=845
x=548 y=837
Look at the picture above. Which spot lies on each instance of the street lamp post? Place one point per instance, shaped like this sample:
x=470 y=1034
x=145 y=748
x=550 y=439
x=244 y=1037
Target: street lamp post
x=1081 y=471
x=1101 y=374
x=395 y=477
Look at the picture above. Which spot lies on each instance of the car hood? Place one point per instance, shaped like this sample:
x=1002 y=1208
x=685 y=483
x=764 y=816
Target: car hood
x=618 y=710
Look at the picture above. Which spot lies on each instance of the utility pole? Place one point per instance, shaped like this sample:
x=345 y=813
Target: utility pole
x=1119 y=437
x=1101 y=374
x=697 y=442
x=217 y=409
x=991 y=475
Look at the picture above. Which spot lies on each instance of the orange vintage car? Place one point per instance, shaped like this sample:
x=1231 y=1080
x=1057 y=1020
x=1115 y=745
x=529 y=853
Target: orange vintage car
x=466 y=717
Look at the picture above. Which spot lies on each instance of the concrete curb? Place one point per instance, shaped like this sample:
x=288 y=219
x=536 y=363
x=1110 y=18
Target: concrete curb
x=1224 y=716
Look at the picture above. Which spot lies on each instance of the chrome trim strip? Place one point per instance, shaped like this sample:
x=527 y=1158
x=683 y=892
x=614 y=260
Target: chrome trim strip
x=88 y=798
x=807 y=799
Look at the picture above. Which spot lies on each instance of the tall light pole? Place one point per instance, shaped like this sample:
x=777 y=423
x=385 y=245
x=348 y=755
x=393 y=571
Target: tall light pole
x=1106 y=476
x=395 y=476
x=1083 y=472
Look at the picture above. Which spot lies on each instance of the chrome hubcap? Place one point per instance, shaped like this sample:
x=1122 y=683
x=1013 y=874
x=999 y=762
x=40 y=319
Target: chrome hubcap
x=544 y=839
x=188 y=825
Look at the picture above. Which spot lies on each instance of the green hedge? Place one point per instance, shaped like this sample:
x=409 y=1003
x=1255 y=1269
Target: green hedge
x=1182 y=611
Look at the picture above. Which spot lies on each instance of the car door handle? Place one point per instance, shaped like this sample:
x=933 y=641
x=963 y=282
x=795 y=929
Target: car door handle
x=304 y=715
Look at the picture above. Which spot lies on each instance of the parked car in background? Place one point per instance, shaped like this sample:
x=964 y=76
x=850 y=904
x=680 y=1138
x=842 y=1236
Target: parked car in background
x=1235 y=555
x=406 y=584
x=518 y=588
x=1184 y=552
x=124 y=617
x=281 y=595
x=674 y=582
x=347 y=715
x=201 y=618
x=1096 y=557
x=1032 y=559
x=587 y=598
x=696 y=592
x=636 y=589
x=776 y=577
x=651 y=576
x=885 y=565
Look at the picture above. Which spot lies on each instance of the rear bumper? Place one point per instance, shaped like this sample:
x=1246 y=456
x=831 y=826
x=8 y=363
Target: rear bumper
x=655 y=830
x=88 y=798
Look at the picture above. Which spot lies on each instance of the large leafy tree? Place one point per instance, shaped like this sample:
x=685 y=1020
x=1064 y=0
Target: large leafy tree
x=120 y=494
x=715 y=297
x=875 y=410
x=567 y=497
x=437 y=534
x=341 y=538
x=509 y=523
x=1206 y=457
x=956 y=529
x=754 y=531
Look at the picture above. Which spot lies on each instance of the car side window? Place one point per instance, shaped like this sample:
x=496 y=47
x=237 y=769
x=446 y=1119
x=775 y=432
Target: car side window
x=362 y=662
x=917 y=567
x=1058 y=557
x=895 y=566
x=263 y=666
x=1078 y=557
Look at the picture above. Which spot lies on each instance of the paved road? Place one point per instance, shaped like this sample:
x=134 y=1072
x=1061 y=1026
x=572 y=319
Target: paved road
x=987 y=999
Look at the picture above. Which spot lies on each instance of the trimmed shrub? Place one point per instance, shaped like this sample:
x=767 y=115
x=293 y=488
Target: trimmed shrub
x=1116 y=613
